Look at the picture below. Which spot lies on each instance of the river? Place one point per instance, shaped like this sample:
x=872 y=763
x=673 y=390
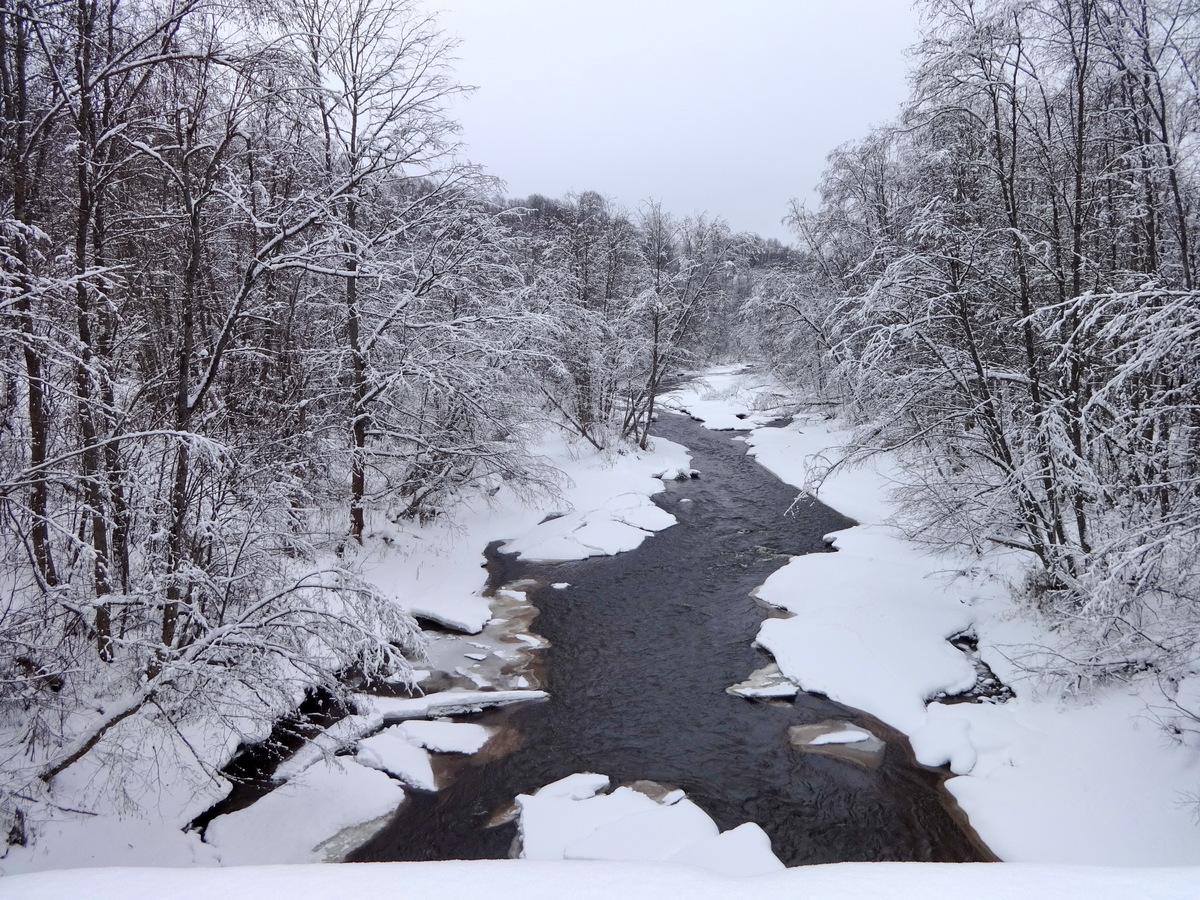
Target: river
x=643 y=646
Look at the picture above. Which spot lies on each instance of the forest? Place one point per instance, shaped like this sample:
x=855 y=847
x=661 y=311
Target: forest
x=1001 y=286
x=255 y=302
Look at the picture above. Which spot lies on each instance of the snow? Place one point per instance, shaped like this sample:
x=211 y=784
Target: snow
x=945 y=741
x=572 y=819
x=657 y=833
x=1048 y=777
x=148 y=829
x=738 y=853
x=530 y=880
x=391 y=751
x=869 y=627
x=78 y=843
x=1095 y=782
x=290 y=824
x=435 y=569
x=443 y=703
x=609 y=506
x=446 y=737
x=549 y=823
x=727 y=398
x=327 y=742
x=841 y=737
x=579 y=786
x=617 y=525
x=1045 y=778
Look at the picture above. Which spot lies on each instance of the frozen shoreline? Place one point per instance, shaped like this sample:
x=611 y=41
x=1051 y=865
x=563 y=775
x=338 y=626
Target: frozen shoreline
x=1043 y=780
x=1046 y=777
x=435 y=571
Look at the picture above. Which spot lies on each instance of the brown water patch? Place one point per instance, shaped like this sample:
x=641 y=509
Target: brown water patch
x=867 y=751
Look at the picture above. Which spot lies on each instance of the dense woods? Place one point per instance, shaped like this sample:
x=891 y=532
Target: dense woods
x=1002 y=285
x=255 y=304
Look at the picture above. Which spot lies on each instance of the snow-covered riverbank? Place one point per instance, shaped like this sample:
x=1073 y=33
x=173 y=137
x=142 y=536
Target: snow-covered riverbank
x=1044 y=779
x=534 y=880
x=1049 y=777
x=434 y=570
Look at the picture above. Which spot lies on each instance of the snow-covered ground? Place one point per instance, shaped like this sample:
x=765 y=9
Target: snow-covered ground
x=604 y=508
x=578 y=817
x=1048 y=777
x=330 y=804
x=582 y=880
x=1044 y=779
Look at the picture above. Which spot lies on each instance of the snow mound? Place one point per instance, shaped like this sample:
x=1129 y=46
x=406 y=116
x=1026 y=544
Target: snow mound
x=618 y=524
x=467 y=611
x=571 y=819
x=657 y=833
x=527 y=880
x=738 y=853
x=869 y=627
x=323 y=800
x=391 y=751
x=446 y=737
x=579 y=786
x=549 y=824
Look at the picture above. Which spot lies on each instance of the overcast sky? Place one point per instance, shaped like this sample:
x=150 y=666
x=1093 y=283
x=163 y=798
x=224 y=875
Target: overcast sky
x=720 y=106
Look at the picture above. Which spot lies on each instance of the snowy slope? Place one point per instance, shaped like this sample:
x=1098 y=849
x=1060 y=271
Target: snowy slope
x=1046 y=778
x=578 y=880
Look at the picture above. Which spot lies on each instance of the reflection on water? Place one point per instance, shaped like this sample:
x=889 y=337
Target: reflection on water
x=643 y=647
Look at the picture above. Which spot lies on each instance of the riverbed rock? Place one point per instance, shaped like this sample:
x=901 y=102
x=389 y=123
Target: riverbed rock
x=768 y=683
x=839 y=739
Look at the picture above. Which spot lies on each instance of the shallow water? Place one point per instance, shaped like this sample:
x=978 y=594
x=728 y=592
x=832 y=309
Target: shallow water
x=643 y=645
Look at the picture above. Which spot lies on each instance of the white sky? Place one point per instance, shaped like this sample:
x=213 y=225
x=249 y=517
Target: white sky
x=720 y=106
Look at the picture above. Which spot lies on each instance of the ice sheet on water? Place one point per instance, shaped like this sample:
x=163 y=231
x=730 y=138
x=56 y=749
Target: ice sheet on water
x=446 y=737
x=841 y=737
x=657 y=833
x=391 y=751
x=571 y=819
x=291 y=822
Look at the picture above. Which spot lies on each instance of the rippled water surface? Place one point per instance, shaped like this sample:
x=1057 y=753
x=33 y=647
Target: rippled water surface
x=643 y=646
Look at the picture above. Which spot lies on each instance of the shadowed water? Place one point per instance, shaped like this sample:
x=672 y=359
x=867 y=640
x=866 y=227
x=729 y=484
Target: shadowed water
x=643 y=646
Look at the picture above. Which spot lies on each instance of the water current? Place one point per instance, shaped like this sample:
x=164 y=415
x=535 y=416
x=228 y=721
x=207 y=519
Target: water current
x=643 y=646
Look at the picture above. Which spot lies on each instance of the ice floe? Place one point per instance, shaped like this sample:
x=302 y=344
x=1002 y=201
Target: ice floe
x=392 y=751
x=290 y=824
x=573 y=819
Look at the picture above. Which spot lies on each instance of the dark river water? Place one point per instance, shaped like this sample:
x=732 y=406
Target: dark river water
x=643 y=646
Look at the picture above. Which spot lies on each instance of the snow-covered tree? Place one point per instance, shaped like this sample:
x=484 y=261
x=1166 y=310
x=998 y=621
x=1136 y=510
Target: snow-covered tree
x=1003 y=287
